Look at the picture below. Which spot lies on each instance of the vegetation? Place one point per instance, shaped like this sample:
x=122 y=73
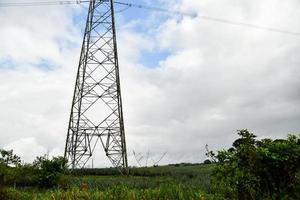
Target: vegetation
x=42 y=173
x=8 y=158
x=174 y=186
x=259 y=169
x=251 y=169
x=168 y=192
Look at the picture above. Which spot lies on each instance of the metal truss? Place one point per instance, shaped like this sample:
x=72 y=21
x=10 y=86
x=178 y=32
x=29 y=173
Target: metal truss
x=96 y=113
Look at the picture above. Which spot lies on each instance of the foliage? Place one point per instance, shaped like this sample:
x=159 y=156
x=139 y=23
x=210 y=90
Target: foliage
x=250 y=169
x=259 y=169
x=206 y=162
x=49 y=171
x=8 y=158
x=165 y=182
x=43 y=172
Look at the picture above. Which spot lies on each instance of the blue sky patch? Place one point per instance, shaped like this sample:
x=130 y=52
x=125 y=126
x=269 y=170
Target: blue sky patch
x=151 y=59
x=45 y=65
x=7 y=63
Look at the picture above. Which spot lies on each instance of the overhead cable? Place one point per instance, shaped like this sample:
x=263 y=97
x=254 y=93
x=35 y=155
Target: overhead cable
x=158 y=9
x=254 y=26
x=40 y=3
x=208 y=18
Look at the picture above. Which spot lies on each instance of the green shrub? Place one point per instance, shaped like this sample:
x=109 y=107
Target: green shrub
x=8 y=158
x=259 y=169
x=43 y=173
x=49 y=171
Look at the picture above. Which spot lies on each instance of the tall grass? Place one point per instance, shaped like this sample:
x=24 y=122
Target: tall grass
x=166 y=192
x=167 y=182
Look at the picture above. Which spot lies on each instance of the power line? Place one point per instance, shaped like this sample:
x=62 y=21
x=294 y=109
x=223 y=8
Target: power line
x=225 y=21
x=40 y=3
x=158 y=9
x=208 y=18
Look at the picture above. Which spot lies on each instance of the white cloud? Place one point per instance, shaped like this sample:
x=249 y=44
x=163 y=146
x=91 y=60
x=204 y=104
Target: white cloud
x=34 y=100
x=218 y=78
x=27 y=148
x=29 y=35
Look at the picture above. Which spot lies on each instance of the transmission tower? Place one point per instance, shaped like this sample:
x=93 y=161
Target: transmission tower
x=96 y=113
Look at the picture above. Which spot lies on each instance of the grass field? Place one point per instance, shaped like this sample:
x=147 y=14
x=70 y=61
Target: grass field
x=252 y=169
x=165 y=182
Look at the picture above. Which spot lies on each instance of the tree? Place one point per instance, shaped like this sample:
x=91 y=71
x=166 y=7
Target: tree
x=49 y=171
x=8 y=158
x=259 y=169
x=207 y=161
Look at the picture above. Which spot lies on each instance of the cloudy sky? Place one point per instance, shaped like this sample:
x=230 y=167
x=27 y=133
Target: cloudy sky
x=186 y=81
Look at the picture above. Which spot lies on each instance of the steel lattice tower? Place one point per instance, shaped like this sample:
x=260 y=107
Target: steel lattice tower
x=96 y=113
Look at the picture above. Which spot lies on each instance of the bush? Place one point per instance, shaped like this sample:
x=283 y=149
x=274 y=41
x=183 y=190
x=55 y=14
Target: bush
x=259 y=169
x=207 y=162
x=49 y=171
x=8 y=158
x=44 y=173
